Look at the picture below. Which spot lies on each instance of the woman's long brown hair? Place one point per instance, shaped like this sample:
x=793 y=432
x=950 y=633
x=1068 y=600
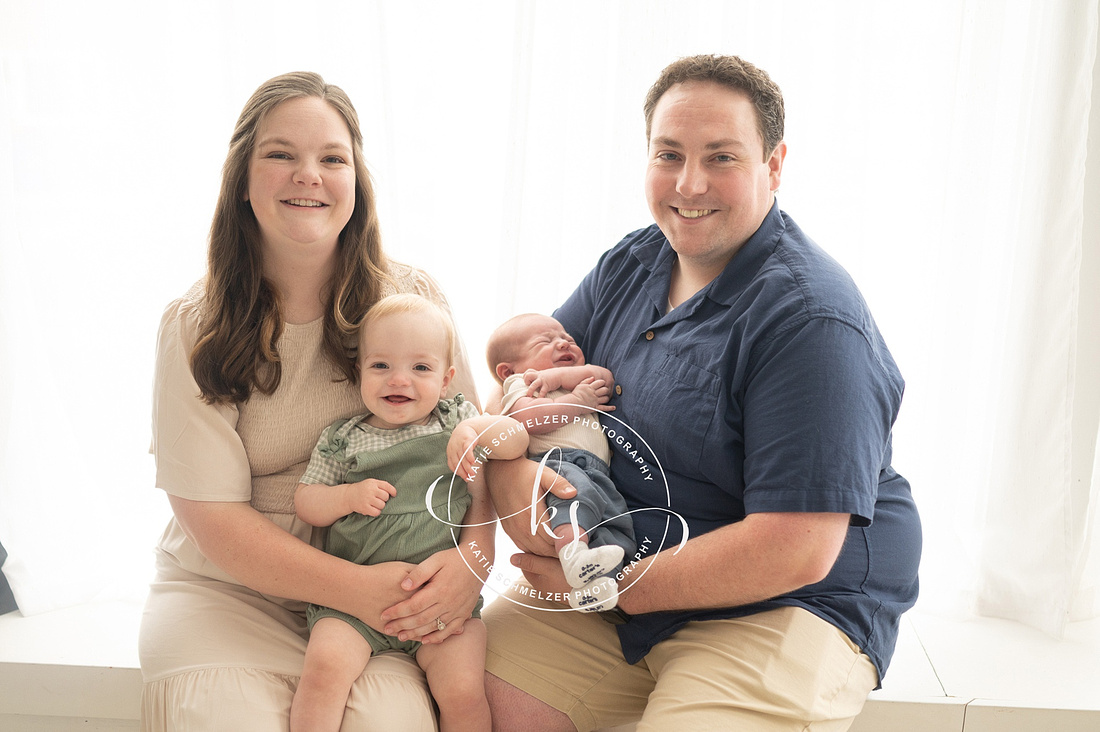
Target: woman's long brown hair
x=240 y=321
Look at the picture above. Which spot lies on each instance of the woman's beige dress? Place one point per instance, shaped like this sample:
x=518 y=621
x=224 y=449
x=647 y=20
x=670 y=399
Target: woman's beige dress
x=214 y=654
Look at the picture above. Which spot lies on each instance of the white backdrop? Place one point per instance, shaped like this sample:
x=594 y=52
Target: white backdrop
x=937 y=149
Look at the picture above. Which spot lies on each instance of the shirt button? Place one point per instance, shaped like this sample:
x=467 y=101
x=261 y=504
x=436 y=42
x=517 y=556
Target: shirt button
x=649 y=335
x=618 y=390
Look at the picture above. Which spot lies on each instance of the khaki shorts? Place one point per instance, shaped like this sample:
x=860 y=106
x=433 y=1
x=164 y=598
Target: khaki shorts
x=784 y=669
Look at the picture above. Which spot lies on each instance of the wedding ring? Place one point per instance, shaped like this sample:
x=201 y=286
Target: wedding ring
x=440 y=625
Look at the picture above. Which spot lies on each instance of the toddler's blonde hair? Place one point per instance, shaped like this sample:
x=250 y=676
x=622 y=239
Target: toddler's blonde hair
x=406 y=302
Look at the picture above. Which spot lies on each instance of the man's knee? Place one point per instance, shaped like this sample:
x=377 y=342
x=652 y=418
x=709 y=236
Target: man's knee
x=514 y=709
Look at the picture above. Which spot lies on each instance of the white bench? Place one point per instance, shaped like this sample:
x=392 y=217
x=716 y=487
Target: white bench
x=987 y=675
x=77 y=669
x=71 y=669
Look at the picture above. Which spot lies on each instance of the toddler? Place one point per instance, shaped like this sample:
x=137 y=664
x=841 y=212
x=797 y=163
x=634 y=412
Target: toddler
x=368 y=478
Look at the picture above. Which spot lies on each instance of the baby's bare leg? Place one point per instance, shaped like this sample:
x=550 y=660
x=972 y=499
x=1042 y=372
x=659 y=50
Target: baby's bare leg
x=568 y=536
x=335 y=657
x=456 y=675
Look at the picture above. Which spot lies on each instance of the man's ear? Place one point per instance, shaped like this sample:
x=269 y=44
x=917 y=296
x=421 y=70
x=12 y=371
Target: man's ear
x=504 y=370
x=775 y=165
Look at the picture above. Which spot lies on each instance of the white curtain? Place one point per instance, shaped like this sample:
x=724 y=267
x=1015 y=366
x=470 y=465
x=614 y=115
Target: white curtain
x=939 y=150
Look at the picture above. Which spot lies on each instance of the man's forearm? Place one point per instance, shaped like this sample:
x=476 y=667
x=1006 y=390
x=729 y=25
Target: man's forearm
x=763 y=556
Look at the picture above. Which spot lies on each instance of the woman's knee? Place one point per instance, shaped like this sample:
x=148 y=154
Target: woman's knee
x=391 y=694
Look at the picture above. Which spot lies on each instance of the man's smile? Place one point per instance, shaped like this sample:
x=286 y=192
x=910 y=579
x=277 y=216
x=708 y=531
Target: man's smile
x=694 y=213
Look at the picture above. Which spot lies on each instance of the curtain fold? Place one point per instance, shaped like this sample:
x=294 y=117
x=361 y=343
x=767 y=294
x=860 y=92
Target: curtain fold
x=940 y=152
x=66 y=517
x=1085 y=577
x=1033 y=533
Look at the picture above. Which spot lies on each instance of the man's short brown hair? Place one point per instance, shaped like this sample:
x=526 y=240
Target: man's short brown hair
x=732 y=72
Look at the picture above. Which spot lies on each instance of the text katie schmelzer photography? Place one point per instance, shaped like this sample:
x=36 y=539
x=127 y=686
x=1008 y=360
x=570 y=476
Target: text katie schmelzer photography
x=626 y=448
x=628 y=445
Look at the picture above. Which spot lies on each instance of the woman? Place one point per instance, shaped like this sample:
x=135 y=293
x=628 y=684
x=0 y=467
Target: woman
x=252 y=364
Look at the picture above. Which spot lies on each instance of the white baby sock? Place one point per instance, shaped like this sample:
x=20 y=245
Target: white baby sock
x=582 y=564
x=598 y=595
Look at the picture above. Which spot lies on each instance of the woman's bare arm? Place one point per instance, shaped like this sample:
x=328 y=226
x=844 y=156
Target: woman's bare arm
x=262 y=556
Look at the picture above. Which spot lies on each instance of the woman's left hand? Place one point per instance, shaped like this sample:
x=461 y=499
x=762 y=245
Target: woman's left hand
x=446 y=592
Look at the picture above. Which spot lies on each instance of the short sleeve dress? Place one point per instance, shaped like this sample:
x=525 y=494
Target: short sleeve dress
x=215 y=655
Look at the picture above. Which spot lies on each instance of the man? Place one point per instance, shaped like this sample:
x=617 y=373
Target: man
x=747 y=359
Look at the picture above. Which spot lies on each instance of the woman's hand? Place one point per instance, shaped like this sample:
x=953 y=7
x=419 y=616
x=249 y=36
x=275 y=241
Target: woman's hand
x=379 y=589
x=441 y=587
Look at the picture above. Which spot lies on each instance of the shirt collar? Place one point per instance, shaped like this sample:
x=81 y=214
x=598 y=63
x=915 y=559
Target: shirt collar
x=748 y=260
x=655 y=254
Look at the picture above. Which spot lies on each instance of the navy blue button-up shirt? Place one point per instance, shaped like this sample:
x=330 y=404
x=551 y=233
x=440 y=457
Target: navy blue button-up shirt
x=770 y=390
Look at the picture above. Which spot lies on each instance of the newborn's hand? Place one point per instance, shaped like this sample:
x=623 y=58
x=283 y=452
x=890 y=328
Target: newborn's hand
x=541 y=383
x=594 y=393
x=369 y=496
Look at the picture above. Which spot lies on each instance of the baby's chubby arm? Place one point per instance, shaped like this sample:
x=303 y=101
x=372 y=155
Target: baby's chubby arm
x=323 y=505
x=500 y=436
x=588 y=389
x=541 y=383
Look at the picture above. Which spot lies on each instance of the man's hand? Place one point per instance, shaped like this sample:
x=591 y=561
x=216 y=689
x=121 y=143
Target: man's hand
x=543 y=573
x=519 y=501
